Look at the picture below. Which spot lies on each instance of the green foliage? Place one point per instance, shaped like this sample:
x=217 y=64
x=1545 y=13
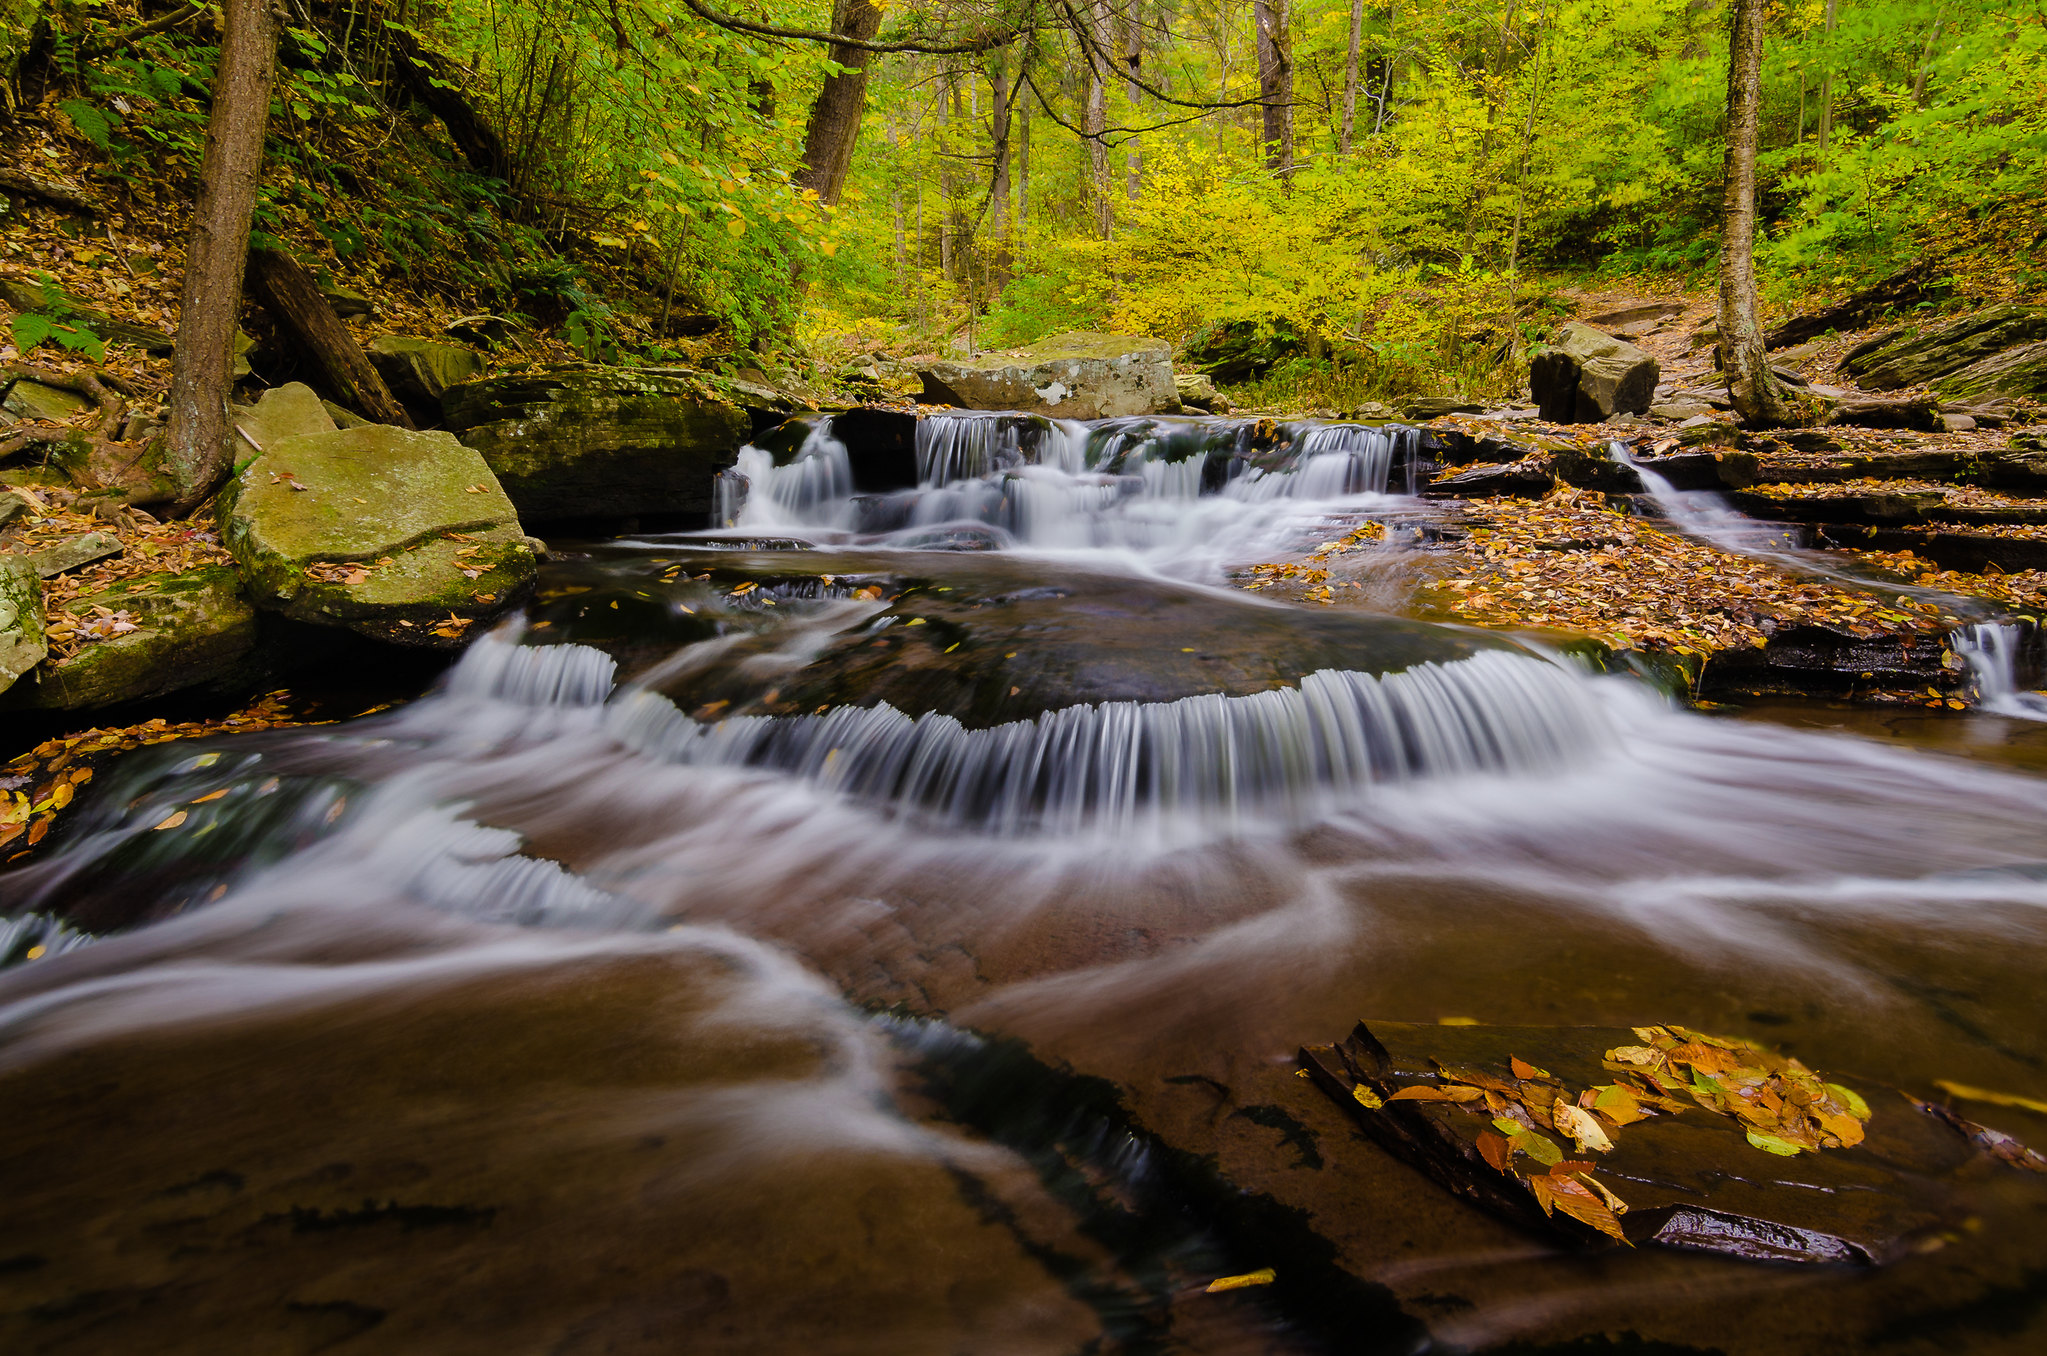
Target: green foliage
x=57 y=322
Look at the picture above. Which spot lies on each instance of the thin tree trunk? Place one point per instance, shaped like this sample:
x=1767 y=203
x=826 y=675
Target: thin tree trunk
x=293 y=299
x=1095 y=118
x=1528 y=135
x=1926 y=63
x=1133 y=66
x=835 y=116
x=1275 y=84
x=1350 y=78
x=998 y=181
x=1023 y=171
x=1386 y=75
x=1827 y=82
x=1754 y=391
x=196 y=452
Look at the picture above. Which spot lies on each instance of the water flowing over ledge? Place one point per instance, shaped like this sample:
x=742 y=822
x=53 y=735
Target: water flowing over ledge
x=1288 y=751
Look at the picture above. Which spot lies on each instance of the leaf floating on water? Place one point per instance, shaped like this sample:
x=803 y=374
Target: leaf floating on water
x=1262 y=1276
x=1457 y=1021
x=1365 y=1096
x=1421 y=1092
x=1495 y=1150
x=176 y=818
x=1577 y=1200
x=1972 y=1094
x=1774 y=1145
x=210 y=795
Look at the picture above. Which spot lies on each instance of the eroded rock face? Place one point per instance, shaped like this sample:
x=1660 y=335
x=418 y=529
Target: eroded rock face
x=191 y=628
x=2001 y=351
x=1072 y=376
x=402 y=536
x=420 y=371
x=22 y=646
x=600 y=442
x=1587 y=377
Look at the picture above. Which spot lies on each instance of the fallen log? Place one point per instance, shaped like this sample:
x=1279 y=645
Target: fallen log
x=293 y=299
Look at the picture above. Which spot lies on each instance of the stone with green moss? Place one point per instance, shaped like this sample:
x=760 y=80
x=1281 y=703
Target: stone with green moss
x=419 y=371
x=281 y=412
x=1069 y=376
x=402 y=536
x=587 y=442
x=191 y=628
x=27 y=399
x=22 y=644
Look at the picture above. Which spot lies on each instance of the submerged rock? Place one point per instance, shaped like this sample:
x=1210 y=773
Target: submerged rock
x=1586 y=377
x=402 y=536
x=22 y=644
x=1072 y=376
x=188 y=629
x=600 y=442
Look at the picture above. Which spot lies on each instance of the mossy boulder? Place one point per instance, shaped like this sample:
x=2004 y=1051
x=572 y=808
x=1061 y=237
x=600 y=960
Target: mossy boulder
x=419 y=371
x=27 y=399
x=1585 y=377
x=401 y=536
x=601 y=442
x=191 y=628
x=2001 y=350
x=1070 y=376
x=22 y=645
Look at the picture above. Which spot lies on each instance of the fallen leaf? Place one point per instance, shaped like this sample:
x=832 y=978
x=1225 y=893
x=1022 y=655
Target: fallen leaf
x=1523 y=1069
x=1495 y=1150
x=1973 y=1094
x=177 y=817
x=1366 y=1097
x=1773 y=1144
x=1263 y=1276
x=1582 y=1126
x=1421 y=1092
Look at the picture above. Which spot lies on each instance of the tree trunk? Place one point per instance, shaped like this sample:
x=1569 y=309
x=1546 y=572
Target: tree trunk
x=1275 y=84
x=1350 y=78
x=1926 y=64
x=1528 y=135
x=1133 y=66
x=1754 y=391
x=196 y=452
x=998 y=181
x=1827 y=83
x=431 y=79
x=835 y=117
x=293 y=299
x=1023 y=169
x=1095 y=118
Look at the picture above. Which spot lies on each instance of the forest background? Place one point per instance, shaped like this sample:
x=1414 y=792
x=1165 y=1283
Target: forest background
x=1386 y=194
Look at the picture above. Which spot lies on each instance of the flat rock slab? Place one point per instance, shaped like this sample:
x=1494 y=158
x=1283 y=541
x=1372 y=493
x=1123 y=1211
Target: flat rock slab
x=1688 y=1177
x=402 y=536
x=1071 y=376
x=176 y=631
x=73 y=552
x=27 y=399
x=282 y=412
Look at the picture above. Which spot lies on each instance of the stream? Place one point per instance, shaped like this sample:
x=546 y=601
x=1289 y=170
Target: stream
x=885 y=922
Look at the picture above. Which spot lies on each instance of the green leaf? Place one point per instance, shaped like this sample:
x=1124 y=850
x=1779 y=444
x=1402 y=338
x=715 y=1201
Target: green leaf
x=1771 y=1144
x=31 y=329
x=92 y=124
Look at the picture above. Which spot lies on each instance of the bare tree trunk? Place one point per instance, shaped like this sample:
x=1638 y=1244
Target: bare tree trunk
x=1133 y=67
x=835 y=117
x=1350 y=78
x=1095 y=118
x=1827 y=82
x=1528 y=135
x=1001 y=93
x=196 y=451
x=1386 y=75
x=1023 y=170
x=1926 y=63
x=1752 y=388
x=1275 y=84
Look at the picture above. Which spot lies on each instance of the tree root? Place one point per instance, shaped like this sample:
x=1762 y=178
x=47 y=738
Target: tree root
x=95 y=457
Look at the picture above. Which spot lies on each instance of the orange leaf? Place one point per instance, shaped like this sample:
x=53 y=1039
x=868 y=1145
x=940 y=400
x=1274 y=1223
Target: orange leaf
x=1494 y=1149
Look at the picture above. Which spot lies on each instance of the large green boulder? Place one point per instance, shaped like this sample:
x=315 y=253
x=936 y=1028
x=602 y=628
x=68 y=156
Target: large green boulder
x=589 y=442
x=1070 y=376
x=22 y=644
x=2014 y=373
x=279 y=413
x=419 y=371
x=161 y=633
x=404 y=537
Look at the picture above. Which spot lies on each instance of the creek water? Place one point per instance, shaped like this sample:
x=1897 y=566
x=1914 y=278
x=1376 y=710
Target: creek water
x=885 y=922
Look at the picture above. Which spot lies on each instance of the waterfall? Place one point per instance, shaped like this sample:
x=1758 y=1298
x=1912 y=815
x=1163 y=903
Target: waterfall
x=498 y=668
x=1992 y=651
x=1291 y=750
x=37 y=936
x=1710 y=518
x=814 y=486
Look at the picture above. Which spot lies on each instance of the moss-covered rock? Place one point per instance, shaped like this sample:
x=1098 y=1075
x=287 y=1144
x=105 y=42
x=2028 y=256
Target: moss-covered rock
x=405 y=537
x=22 y=645
x=601 y=442
x=27 y=399
x=419 y=371
x=1071 y=376
x=282 y=412
x=191 y=628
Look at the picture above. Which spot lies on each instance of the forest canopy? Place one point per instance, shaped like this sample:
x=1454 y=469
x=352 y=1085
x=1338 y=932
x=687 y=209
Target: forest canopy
x=1385 y=185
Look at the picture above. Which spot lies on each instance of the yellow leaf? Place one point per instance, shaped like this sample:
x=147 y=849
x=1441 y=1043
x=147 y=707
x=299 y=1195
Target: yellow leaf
x=1969 y=1094
x=1581 y=1126
x=736 y=227
x=1263 y=1276
x=176 y=819
x=1365 y=1096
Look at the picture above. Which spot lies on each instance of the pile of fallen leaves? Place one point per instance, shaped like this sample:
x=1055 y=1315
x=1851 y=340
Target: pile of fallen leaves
x=1955 y=496
x=41 y=782
x=2024 y=589
x=148 y=547
x=1569 y=562
x=1782 y=1106
x=1313 y=578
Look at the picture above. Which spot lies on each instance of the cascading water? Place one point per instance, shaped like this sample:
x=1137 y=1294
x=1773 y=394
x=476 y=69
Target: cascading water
x=546 y=1012
x=1993 y=650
